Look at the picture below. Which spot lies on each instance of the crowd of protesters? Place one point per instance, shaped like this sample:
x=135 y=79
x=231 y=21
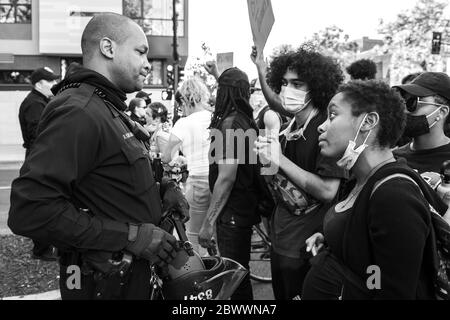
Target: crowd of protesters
x=346 y=193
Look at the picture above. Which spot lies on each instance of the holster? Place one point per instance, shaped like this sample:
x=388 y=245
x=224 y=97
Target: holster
x=98 y=263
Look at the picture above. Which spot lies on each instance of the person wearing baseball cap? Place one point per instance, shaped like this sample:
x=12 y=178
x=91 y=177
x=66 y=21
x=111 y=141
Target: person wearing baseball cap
x=427 y=100
x=42 y=79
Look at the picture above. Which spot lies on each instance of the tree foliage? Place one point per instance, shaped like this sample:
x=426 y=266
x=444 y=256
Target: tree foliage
x=332 y=41
x=409 y=38
x=196 y=67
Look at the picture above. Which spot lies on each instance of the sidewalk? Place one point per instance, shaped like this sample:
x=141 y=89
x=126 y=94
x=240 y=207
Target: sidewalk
x=11 y=159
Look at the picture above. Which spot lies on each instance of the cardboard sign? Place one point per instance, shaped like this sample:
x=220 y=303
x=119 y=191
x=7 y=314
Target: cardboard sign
x=224 y=61
x=261 y=20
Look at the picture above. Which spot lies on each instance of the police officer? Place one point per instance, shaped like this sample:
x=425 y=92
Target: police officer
x=87 y=185
x=42 y=79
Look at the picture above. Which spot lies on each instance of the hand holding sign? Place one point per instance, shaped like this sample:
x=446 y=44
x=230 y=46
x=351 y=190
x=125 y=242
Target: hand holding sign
x=258 y=59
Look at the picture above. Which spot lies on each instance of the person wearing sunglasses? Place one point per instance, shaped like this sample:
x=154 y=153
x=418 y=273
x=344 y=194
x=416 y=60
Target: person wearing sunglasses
x=137 y=107
x=427 y=100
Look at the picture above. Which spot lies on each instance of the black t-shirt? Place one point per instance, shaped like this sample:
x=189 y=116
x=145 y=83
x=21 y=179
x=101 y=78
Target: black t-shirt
x=424 y=160
x=289 y=231
x=333 y=229
x=240 y=208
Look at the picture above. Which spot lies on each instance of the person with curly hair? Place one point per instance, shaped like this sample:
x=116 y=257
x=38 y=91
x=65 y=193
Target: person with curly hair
x=299 y=84
x=364 y=69
x=376 y=240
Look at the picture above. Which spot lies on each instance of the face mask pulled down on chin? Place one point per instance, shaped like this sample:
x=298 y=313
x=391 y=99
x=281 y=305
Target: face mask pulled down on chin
x=293 y=100
x=352 y=153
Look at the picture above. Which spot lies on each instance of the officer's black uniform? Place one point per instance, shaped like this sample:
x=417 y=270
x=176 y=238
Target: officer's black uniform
x=29 y=114
x=86 y=157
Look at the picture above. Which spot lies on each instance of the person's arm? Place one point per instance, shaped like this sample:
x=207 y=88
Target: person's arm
x=211 y=68
x=320 y=187
x=271 y=97
x=41 y=198
x=398 y=234
x=222 y=190
x=171 y=149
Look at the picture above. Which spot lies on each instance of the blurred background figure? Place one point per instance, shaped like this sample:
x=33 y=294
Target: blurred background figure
x=42 y=79
x=137 y=108
x=144 y=95
x=190 y=134
x=364 y=69
x=160 y=128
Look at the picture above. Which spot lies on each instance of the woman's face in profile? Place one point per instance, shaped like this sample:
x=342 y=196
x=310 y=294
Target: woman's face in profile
x=340 y=127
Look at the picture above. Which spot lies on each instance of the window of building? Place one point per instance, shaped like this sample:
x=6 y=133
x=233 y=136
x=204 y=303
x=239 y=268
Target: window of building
x=15 y=11
x=15 y=77
x=155 y=16
x=155 y=77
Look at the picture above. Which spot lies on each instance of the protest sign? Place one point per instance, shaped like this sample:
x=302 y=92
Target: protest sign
x=224 y=61
x=261 y=20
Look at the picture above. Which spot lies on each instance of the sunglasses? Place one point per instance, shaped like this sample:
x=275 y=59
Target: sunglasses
x=412 y=103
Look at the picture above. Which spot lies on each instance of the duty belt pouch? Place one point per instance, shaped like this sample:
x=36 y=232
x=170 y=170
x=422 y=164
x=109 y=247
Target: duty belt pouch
x=285 y=191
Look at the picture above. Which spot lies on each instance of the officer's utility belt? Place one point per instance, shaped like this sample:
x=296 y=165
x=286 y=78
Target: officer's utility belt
x=98 y=263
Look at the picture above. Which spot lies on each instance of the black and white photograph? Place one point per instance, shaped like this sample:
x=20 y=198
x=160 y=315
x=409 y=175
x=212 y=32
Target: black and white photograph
x=255 y=153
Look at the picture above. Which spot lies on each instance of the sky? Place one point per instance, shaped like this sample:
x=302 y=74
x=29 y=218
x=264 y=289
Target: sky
x=224 y=24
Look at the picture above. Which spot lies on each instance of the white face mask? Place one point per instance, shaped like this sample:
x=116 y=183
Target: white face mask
x=351 y=154
x=293 y=100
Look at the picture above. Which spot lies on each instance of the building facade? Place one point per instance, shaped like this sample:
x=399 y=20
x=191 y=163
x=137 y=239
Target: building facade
x=38 y=33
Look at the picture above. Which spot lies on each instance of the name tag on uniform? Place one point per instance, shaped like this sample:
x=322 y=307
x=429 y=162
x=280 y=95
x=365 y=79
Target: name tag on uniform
x=127 y=135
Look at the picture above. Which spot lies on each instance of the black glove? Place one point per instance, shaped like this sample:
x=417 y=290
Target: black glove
x=149 y=242
x=173 y=199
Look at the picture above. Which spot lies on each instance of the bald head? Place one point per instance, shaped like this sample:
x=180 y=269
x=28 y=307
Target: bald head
x=116 y=47
x=111 y=25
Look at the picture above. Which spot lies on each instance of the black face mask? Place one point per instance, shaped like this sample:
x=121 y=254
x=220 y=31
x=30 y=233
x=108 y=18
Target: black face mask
x=416 y=126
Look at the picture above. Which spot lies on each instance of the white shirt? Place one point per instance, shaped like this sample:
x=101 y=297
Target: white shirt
x=194 y=133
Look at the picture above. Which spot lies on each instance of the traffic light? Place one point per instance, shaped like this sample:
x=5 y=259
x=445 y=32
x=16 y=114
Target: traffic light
x=180 y=73
x=170 y=77
x=436 y=43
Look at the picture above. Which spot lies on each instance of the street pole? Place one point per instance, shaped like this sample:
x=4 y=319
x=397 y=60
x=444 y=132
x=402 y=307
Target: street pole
x=176 y=58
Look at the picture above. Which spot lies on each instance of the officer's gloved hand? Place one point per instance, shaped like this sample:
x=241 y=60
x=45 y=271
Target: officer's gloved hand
x=149 y=242
x=173 y=199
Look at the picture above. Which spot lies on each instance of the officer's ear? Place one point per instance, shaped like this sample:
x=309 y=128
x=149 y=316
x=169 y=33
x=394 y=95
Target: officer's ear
x=107 y=47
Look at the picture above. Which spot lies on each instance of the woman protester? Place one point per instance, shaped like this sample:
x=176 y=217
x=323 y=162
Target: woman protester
x=377 y=237
x=190 y=135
